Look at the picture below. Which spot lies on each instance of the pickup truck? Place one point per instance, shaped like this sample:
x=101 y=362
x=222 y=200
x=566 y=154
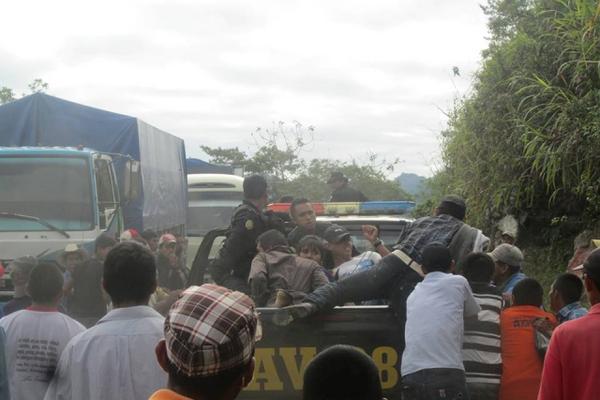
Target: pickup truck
x=284 y=351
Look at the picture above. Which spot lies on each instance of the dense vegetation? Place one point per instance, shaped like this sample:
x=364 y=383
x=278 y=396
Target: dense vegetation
x=526 y=141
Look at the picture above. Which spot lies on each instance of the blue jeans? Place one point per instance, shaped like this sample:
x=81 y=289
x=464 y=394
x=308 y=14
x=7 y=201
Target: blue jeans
x=435 y=384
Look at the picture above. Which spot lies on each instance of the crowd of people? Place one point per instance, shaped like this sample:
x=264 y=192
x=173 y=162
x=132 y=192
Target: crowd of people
x=123 y=323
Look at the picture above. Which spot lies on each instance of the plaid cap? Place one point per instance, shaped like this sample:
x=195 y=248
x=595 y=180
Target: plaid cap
x=210 y=329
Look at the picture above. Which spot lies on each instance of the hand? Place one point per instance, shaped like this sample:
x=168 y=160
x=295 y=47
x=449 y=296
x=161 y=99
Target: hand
x=370 y=232
x=284 y=316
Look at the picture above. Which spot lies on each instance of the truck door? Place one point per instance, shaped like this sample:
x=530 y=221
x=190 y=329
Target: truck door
x=106 y=191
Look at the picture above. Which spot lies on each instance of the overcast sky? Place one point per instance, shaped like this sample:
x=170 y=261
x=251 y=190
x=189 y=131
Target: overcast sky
x=370 y=76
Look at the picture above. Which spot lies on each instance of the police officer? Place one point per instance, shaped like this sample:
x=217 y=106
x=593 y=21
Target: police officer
x=341 y=191
x=232 y=266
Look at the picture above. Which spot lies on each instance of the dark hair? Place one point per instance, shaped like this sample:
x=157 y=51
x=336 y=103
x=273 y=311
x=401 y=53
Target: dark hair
x=436 y=257
x=210 y=386
x=342 y=372
x=255 y=186
x=454 y=206
x=528 y=292
x=569 y=287
x=297 y=202
x=271 y=239
x=286 y=199
x=103 y=241
x=149 y=234
x=45 y=283
x=312 y=242
x=129 y=273
x=478 y=267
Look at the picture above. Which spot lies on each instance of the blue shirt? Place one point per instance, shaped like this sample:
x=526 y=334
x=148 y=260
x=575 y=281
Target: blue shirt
x=512 y=281
x=571 y=311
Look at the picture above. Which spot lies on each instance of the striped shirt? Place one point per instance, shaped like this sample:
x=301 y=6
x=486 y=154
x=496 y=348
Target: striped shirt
x=481 y=345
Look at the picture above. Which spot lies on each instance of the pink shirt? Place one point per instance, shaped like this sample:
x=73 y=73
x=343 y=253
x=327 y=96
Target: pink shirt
x=572 y=364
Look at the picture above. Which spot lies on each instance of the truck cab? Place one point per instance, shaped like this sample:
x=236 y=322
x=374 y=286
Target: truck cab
x=54 y=196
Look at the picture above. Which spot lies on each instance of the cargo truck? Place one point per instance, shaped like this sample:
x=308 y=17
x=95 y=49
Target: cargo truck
x=69 y=173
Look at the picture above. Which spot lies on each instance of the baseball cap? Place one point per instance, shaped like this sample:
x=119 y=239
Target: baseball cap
x=210 y=329
x=336 y=234
x=591 y=266
x=166 y=238
x=72 y=248
x=508 y=254
x=336 y=176
x=129 y=234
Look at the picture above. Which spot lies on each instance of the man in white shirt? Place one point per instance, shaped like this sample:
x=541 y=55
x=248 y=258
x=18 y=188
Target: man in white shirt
x=432 y=364
x=36 y=336
x=115 y=358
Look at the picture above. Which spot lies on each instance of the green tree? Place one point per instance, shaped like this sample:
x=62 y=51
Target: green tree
x=36 y=86
x=525 y=141
x=280 y=157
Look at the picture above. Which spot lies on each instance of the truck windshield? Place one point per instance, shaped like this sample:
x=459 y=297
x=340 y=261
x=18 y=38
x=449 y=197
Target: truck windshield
x=54 y=189
x=201 y=219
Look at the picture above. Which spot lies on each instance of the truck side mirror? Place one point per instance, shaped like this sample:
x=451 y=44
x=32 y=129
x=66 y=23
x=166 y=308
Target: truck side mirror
x=132 y=181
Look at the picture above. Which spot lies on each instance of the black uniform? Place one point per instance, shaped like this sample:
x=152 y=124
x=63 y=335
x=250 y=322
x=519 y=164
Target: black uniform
x=346 y=193
x=232 y=266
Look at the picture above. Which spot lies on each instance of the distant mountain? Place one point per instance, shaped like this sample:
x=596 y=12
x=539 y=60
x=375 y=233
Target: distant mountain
x=411 y=183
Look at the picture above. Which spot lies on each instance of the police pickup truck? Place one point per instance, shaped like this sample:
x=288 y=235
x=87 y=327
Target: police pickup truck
x=284 y=351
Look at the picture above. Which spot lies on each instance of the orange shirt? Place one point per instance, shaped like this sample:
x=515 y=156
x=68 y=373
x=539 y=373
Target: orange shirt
x=166 y=394
x=521 y=364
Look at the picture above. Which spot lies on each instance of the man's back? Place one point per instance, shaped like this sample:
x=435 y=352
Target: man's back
x=423 y=231
x=34 y=342
x=112 y=360
x=571 y=368
x=434 y=324
x=481 y=345
x=522 y=366
x=286 y=271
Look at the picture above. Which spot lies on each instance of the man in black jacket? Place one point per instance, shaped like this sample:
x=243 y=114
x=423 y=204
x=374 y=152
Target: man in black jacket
x=341 y=191
x=248 y=222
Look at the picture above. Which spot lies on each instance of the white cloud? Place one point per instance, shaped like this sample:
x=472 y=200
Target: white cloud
x=370 y=76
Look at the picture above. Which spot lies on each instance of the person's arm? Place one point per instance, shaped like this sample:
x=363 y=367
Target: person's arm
x=371 y=233
x=551 y=386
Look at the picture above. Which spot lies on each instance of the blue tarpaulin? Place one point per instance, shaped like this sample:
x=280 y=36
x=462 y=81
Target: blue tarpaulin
x=43 y=120
x=196 y=166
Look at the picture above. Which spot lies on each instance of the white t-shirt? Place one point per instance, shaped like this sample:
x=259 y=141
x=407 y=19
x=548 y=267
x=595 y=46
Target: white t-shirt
x=362 y=262
x=435 y=312
x=34 y=343
x=112 y=360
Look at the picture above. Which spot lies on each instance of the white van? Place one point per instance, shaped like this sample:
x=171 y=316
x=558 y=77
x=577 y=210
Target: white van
x=212 y=198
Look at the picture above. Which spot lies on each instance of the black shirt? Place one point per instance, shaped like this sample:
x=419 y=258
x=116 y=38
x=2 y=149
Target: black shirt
x=239 y=247
x=347 y=194
x=87 y=300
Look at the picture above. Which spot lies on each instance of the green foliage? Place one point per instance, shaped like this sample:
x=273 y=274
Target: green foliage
x=36 y=86
x=526 y=141
x=279 y=157
x=6 y=95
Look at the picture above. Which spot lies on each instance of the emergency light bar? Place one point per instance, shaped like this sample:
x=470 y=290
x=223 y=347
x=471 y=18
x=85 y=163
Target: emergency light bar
x=353 y=208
